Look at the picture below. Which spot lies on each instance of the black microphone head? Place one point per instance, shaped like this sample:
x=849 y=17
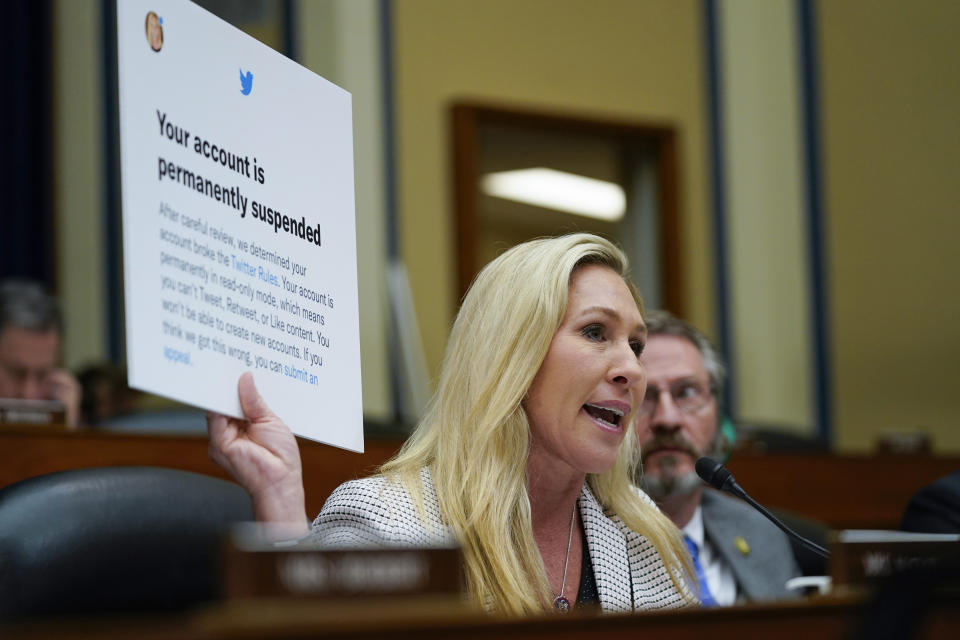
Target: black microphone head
x=713 y=473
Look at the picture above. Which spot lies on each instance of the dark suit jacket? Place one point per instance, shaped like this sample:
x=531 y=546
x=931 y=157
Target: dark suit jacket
x=764 y=564
x=935 y=508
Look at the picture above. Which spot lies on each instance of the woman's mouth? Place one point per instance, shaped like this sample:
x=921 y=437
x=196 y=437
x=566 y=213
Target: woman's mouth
x=606 y=417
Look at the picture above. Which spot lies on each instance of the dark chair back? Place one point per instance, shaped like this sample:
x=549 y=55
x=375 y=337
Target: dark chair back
x=113 y=539
x=809 y=562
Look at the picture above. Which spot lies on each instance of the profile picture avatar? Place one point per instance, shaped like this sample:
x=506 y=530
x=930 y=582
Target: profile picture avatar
x=154 y=29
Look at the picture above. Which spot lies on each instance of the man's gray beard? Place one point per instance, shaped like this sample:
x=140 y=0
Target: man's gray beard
x=668 y=484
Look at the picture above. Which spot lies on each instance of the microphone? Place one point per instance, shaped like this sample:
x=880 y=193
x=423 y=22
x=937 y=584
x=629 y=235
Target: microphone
x=717 y=476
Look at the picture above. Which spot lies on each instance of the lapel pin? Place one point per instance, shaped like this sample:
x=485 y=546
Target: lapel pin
x=741 y=544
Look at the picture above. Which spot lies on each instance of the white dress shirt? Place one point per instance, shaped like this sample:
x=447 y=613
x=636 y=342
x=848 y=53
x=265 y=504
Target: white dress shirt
x=718 y=574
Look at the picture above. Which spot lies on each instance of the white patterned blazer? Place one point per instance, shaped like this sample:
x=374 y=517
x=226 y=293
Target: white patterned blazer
x=375 y=512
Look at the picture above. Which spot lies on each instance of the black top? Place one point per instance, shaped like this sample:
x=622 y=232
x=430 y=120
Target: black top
x=587 y=591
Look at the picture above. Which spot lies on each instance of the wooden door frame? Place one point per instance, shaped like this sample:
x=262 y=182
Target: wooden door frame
x=468 y=117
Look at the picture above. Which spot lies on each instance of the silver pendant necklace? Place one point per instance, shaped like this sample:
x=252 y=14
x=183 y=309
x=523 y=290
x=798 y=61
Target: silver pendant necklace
x=560 y=603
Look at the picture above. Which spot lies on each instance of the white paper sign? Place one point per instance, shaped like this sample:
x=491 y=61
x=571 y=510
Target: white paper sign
x=238 y=222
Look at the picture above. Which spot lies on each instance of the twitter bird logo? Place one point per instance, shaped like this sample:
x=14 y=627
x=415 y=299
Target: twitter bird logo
x=246 y=82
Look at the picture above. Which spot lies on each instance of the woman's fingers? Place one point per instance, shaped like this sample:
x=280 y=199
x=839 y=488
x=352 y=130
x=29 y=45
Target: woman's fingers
x=254 y=406
x=222 y=434
x=217 y=427
x=261 y=454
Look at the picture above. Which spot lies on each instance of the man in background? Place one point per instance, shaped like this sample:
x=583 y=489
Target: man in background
x=738 y=554
x=935 y=508
x=30 y=328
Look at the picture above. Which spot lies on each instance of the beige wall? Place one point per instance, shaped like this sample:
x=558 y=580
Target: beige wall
x=641 y=60
x=766 y=217
x=78 y=178
x=339 y=39
x=891 y=146
x=891 y=154
x=888 y=101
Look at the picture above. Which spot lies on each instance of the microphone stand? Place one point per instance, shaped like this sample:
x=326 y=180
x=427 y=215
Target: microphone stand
x=718 y=477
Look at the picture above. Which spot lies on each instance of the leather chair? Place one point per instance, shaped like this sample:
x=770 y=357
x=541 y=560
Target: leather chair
x=113 y=539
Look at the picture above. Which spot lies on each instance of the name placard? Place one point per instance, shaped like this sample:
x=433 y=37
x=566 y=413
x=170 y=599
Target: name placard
x=15 y=412
x=861 y=556
x=299 y=573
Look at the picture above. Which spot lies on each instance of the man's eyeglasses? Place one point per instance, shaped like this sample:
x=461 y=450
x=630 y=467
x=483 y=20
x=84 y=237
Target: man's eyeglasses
x=689 y=396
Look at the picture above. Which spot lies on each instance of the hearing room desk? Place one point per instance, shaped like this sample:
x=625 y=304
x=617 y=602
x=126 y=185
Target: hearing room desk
x=823 y=619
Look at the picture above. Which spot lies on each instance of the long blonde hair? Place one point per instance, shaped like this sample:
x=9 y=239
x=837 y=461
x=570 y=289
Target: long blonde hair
x=475 y=437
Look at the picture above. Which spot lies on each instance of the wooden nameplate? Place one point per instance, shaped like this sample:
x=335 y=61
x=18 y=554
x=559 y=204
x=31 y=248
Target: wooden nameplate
x=862 y=556
x=16 y=414
x=302 y=571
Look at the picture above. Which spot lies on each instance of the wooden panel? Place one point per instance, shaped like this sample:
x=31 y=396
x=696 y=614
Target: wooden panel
x=24 y=455
x=840 y=491
x=844 y=492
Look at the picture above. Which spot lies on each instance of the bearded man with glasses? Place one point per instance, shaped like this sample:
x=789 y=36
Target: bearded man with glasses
x=738 y=555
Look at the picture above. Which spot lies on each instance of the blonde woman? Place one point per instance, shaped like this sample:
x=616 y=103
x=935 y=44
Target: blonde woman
x=520 y=458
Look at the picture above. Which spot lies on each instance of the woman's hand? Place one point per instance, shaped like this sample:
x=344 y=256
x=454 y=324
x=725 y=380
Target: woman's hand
x=262 y=455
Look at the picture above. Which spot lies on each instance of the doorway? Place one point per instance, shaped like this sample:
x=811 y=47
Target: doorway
x=619 y=180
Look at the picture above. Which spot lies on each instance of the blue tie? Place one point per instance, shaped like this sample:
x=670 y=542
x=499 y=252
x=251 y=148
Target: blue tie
x=703 y=591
